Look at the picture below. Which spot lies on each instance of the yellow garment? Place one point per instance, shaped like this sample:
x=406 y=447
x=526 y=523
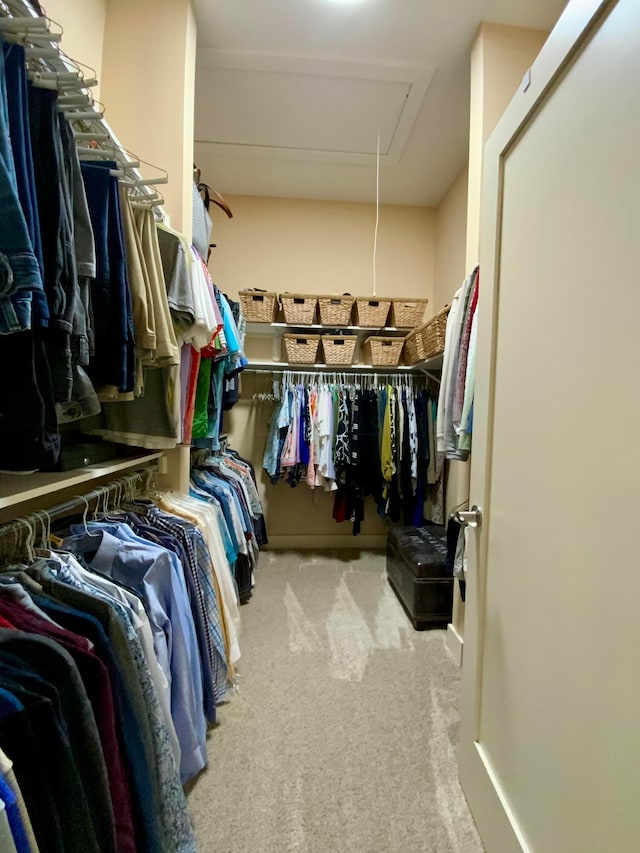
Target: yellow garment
x=386 y=451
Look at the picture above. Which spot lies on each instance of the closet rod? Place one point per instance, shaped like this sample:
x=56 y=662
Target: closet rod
x=141 y=478
x=331 y=368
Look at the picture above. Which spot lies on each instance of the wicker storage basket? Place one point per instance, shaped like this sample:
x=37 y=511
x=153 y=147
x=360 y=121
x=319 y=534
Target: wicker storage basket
x=258 y=306
x=427 y=340
x=299 y=308
x=335 y=310
x=434 y=333
x=301 y=349
x=372 y=312
x=407 y=313
x=339 y=349
x=414 y=347
x=382 y=352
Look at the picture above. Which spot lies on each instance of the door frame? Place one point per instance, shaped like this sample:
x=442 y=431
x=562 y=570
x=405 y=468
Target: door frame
x=489 y=803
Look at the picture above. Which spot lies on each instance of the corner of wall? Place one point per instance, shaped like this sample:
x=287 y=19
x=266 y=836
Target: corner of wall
x=451 y=238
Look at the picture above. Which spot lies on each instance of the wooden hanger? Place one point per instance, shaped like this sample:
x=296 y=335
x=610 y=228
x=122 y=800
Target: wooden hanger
x=210 y=195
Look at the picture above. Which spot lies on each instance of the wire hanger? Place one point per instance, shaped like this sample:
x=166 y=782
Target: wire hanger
x=43 y=517
x=30 y=539
x=87 y=532
x=148 y=182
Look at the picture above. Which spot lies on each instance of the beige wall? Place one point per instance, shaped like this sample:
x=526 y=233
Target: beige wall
x=500 y=56
x=83 y=23
x=322 y=247
x=313 y=247
x=148 y=92
x=451 y=237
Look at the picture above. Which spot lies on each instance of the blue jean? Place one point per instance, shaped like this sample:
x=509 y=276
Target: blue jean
x=17 y=90
x=114 y=360
x=60 y=278
x=19 y=270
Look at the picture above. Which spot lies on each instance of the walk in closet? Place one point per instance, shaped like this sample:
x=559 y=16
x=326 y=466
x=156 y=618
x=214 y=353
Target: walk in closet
x=309 y=313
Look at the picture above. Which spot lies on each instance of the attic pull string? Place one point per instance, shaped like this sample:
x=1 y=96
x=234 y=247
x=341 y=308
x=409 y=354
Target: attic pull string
x=375 y=233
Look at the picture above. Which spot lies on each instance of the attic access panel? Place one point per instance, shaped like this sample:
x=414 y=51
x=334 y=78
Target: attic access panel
x=296 y=108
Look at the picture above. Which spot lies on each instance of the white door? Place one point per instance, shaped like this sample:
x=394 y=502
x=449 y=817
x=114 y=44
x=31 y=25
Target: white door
x=550 y=738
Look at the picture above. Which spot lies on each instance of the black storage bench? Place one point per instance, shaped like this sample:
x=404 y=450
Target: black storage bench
x=416 y=570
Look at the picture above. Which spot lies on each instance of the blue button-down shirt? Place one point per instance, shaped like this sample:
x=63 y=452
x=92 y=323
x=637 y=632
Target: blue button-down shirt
x=199 y=565
x=157 y=574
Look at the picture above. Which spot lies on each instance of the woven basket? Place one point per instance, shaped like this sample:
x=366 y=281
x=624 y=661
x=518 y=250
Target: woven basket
x=299 y=308
x=414 y=347
x=434 y=334
x=335 y=310
x=427 y=340
x=258 y=306
x=339 y=349
x=301 y=349
x=382 y=352
x=372 y=312
x=407 y=313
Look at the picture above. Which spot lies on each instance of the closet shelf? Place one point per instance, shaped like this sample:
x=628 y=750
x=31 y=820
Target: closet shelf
x=429 y=365
x=275 y=331
x=19 y=488
x=279 y=366
x=266 y=329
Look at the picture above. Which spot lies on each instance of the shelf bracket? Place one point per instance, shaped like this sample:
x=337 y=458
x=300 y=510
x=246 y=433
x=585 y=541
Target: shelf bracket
x=276 y=345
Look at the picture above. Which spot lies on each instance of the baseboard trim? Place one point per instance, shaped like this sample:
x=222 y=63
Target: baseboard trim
x=455 y=643
x=364 y=542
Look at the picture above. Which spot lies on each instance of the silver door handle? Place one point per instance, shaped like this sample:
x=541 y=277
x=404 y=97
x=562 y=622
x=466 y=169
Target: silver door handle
x=472 y=518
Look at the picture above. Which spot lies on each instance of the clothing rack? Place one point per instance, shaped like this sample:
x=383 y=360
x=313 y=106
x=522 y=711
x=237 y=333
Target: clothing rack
x=337 y=376
x=201 y=456
x=331 y=368
x=51 y=68
x=125 y=488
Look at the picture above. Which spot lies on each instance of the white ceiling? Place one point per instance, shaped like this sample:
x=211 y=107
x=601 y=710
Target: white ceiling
x=290 y=94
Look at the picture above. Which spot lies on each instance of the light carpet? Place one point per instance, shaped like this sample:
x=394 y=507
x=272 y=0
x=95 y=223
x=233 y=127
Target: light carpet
x=342 y=734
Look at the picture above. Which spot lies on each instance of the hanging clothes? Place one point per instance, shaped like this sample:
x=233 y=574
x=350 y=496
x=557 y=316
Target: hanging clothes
x=100 y=304
x=455 y=405
x=356 y=442
x=222 y=361
x=115 y=650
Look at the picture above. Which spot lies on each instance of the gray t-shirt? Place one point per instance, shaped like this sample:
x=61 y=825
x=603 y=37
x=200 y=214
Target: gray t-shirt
x=201 y=225
x=177 y=278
